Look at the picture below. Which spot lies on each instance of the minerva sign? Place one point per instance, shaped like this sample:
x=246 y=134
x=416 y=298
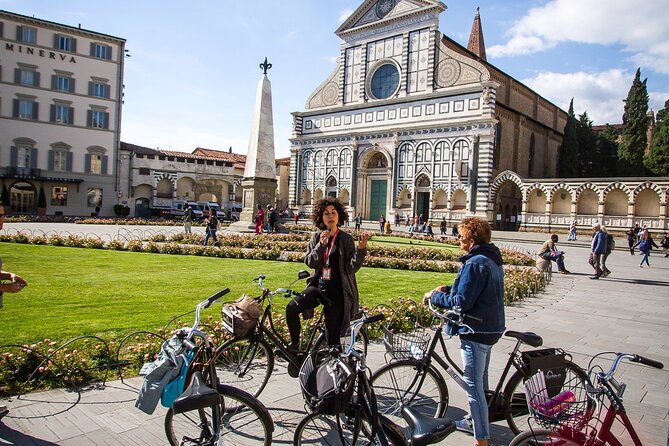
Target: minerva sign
x=41 y=53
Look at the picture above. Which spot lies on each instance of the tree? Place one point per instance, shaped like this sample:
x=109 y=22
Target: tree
x=568 y=164
x=635 y=125
x=657 y=160
x=607 y=142
x=587 y=145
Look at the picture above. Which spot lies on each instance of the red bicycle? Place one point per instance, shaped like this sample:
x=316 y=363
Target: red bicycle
x=566 y=422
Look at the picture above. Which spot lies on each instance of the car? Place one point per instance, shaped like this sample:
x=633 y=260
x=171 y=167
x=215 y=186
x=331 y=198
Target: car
x=233 y=212
x=177 y=210
x=206 y=206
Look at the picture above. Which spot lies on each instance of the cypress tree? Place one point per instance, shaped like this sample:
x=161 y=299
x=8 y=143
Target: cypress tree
x=657 y=160
x=635 y=125
x=607 y=142
x=587 y=145
x=568 y=166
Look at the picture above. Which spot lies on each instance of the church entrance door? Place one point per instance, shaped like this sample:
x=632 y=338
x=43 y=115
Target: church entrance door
x=377 y=202
x=423 y=205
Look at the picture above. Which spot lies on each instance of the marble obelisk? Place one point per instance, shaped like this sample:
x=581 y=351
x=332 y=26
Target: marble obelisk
x=259 y=182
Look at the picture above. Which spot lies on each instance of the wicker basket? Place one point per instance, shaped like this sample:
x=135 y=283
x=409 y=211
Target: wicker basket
x=412 y=345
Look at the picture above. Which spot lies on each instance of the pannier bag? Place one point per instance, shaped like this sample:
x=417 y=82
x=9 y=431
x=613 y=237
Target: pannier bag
x=241 y=316
x=328 y=387
x=551 y=362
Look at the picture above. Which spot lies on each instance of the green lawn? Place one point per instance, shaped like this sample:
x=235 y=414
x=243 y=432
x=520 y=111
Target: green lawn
x=74 y=291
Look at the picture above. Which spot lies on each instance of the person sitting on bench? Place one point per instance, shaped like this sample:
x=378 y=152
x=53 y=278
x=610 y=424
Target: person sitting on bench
x=549 y=251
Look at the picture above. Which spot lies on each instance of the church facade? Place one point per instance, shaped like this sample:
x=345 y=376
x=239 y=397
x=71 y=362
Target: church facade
x=410 y=122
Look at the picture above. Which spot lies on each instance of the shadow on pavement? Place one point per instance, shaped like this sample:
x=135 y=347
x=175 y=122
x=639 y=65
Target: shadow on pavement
x=12 y=437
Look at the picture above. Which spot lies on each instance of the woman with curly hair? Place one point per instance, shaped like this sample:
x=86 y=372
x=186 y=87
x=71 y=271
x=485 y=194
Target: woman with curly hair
x=335 y=260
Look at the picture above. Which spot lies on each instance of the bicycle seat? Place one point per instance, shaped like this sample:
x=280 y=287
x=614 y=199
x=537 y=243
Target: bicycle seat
x=527 y=337
x=427 y=430
x=197 y=396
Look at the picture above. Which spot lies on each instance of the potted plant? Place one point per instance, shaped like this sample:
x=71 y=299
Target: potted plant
x=121 y=210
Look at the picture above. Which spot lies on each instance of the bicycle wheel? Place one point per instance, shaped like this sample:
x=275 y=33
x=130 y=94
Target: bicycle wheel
x=540 y=437
x=243 y=421
x=245 y=364
x=361 y=343
x=400 y=384
x=517 y=414
x=338 y=430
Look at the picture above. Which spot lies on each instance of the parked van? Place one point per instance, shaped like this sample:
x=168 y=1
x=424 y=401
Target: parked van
x=234 y=211
x=177 y=210
x=206 y=206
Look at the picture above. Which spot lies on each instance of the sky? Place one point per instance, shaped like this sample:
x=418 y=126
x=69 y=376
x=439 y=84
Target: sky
x=193 y=71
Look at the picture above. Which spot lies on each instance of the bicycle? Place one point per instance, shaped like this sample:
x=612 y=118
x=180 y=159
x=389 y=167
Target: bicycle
x=570 y=426
x=247 y=361
x=209 y=413
x=411 y=379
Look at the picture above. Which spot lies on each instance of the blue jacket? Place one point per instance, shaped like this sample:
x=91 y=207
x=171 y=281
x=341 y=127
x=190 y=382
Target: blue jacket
x=599 y=243
x=479 y=290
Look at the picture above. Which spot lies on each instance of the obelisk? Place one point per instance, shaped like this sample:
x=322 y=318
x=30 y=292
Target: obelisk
x=259 y=182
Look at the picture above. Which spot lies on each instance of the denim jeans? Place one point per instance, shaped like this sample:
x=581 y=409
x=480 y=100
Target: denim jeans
x=209 y=233
x=645 y=257
x=476 y=359
x=555 y=256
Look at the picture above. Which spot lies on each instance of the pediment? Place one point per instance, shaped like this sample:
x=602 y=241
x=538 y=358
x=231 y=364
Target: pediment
x=374 y=13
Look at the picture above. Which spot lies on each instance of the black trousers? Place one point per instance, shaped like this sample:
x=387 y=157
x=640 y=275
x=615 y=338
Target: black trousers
x=334 y=314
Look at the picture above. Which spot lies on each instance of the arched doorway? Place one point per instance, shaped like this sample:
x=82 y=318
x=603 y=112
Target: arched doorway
x=22 y=198
x=375 y=168
x=331 y=187
x=507 y=203
x=423 y=197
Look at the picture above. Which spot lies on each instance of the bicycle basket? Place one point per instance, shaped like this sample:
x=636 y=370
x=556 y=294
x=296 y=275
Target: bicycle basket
x=239 y=319
x=569 y=408
x=412 y=345
x=552 y=362
x=326 y=384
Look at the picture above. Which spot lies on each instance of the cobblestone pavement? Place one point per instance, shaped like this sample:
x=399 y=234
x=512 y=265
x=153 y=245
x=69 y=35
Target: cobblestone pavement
x=625 y=312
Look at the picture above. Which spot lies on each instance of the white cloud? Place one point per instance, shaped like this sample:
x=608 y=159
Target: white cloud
x=345 y=14
x=640 y=27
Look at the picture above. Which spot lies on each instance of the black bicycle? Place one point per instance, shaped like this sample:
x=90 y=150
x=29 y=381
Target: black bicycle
x=209 y=413
x=410 y=377
x=247 y=361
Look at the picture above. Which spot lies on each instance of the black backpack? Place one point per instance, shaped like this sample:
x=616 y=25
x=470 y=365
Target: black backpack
x=610 y=243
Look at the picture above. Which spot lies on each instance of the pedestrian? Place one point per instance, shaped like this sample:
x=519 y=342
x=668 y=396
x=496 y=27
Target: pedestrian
x=212 y=228
x=572 y=231
x=415 y=224
x=358 y=222
x=442 y=226
x=597 y=250
x=631 y=239
x=664 y=243
x=296 y=216
x=407 y=223
x=645 y=246
x=454 y=231
x=637 y=232
x=97 y=208
x=188 y=218
x=550 y=252
x=478 y=290
x=420 y=219
x=610 y=246
x=272 y=220
x=382 y=223
x=260 y=217
x=334 y=258
x=397 y=219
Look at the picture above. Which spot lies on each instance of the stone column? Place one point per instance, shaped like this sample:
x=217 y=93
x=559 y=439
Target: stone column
x=354 y=177
x=523 y=213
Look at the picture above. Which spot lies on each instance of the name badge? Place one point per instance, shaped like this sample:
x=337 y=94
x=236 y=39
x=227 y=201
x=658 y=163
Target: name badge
x=326 y=274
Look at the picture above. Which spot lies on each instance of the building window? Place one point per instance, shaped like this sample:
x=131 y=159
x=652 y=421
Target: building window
x=385 y=81
x=62 y=114
x=26 y=34
x=96 y=164
x=23 y=156
x=60 y=161
x=25 y=109
x=65 y=43
x=59 y=196
x=24 y=76
x=96 y=161
x=100 y=51
x=98 y=119
x=99 y=90
x=94 y=197
x=62 y=82
x=144 y=171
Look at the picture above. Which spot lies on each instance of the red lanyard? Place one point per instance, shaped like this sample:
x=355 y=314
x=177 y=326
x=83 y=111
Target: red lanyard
x=326 y=257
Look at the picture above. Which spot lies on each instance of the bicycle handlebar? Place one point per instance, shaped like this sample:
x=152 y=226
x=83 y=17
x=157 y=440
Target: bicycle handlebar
x=646 y=361
x=632 y=358
x=211 y=299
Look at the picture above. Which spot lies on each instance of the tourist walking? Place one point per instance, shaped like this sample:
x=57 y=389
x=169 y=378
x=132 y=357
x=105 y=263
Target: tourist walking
x=631 y=239
x=454 y=231
x=645 y=245
x=358 y=222
x=397 y=219
x=188 y=218
x=664 y=243
x=334 y=259
x=272 y=220
x=442 y=226
x=572 y=231
x=478 y=290
x=550 y=252
x=382 y=223
x=212 y=228
x=597 y=250
x=260 y=217
x=610 y=246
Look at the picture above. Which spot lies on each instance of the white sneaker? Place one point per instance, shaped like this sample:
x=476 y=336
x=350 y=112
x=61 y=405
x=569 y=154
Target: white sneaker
x=465 y=425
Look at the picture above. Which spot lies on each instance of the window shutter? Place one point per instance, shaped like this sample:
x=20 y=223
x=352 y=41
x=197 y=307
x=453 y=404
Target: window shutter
x=13 y=156
x=33 y=158
x=70 y=118
x=74 y=44
x=56 y=38
x=87 y=163
x=17 y=76
x=51 y=157
x=2 y=29
x=36 y=84
x=19 y=33
x=15 y=111
x=89 y=118
x=52 y=113
x=92 y=50
x=54 y=81
x=35 y=111
x=106 y=121
x=104 y=164
x=90 y=88
x=71 y=85
x=109 y=49
x=107 y=91
x=68 y=161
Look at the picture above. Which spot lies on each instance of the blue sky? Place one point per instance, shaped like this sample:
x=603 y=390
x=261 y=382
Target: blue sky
x=193 y=72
